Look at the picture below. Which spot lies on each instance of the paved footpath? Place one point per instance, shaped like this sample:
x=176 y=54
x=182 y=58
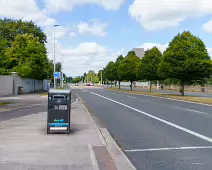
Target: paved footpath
x=25 y=145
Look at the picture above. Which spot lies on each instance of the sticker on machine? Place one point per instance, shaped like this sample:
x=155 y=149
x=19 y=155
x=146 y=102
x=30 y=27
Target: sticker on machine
x=63 y=107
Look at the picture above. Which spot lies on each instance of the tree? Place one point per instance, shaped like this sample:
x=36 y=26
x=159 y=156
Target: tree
x=117 y=76
x=109 y=72
x=148 y=68
x=58 y=66
x=91 y=76
x=9 y=29
x=28 y=57
x=186 y=59
x=128 y=68
x=76 y=80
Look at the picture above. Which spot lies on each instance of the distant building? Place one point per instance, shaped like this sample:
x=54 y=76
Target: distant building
x=139 y=52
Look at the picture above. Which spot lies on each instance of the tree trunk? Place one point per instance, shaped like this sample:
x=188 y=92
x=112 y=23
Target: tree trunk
x=183 y=88
x=131 y=85
x=111 y=83
x=119 y=84
x=150 y=88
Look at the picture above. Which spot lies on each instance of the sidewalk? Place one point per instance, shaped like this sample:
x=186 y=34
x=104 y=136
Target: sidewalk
x=25 y=145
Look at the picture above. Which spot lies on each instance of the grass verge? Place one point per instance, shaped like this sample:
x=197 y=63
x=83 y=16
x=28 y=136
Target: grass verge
x=171 y=96
x=4 y=103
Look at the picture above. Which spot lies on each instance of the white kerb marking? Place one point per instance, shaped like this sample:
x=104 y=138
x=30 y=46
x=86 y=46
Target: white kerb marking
x=159 y=119
x=165 y=149
x=191 y=110
x=132 y=97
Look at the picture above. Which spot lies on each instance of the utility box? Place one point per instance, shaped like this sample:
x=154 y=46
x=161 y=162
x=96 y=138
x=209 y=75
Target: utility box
x=59 y=107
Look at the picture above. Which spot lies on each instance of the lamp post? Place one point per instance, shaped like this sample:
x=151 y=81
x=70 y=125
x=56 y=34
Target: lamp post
x=54 y=57
x=62 y=70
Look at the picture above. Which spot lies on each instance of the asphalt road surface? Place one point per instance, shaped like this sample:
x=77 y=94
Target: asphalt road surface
x=197 y=94
x=155 y=133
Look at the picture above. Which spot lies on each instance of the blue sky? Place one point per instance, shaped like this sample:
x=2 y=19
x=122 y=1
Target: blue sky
x=93 y=32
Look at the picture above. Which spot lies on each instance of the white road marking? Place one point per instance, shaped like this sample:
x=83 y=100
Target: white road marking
x=192 y=110
x=114 y=93
x=83 y=90
x=132 y=97
x=75 y=101
x=41 y=112
x=196 y=163
x=159 y=119
x=165 y=149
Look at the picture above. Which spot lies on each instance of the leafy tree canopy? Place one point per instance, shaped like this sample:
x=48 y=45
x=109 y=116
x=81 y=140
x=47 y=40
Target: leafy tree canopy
x=28 y=57
x=186 y=59
x=148 y=68
x=109 y=71
x=76 y=79
x=10 y=28
x=116 y=65
x=128 y=68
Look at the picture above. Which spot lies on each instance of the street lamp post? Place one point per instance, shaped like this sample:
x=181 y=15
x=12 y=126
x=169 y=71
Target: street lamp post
x=54 y=57
x=62 y=70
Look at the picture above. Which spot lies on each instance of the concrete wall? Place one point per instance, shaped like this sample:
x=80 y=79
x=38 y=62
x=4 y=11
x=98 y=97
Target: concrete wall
x=6 y=85
x=9 y=85
x=192 y=88
x=29 y=85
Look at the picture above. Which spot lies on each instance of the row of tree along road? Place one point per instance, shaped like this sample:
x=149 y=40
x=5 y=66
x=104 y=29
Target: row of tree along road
x=186 y=61
x=23 y=50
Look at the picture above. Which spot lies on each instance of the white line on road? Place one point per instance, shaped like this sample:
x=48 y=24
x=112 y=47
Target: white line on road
x=114 y=93
x=132 y=97
x=159 y=119
x=83 y=90
x=75 y=101
x=165 y=149
x=192 y=110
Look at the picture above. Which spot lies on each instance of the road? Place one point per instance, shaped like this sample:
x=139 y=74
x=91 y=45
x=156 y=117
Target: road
x=197 y=94
x=155 y=133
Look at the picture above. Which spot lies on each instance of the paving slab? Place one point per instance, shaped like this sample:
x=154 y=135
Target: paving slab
x=25 y=145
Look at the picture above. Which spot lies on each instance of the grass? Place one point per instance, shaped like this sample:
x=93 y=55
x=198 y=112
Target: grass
x=171 y=96
x=4 y=103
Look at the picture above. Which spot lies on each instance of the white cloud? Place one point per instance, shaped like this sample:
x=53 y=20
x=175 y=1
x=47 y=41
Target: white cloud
x=161 y=47
x=60 y=32
x=155 y=14
x=27 y=10
x=207 y=26
x=73 y=34
x=55 y=6
x=95 y=27
x=84 y=57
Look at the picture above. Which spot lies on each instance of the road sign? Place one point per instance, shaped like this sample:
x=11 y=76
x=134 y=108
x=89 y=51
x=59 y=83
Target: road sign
x=57 y=74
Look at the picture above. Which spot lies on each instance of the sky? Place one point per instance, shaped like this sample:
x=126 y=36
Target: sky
x=94 y=32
